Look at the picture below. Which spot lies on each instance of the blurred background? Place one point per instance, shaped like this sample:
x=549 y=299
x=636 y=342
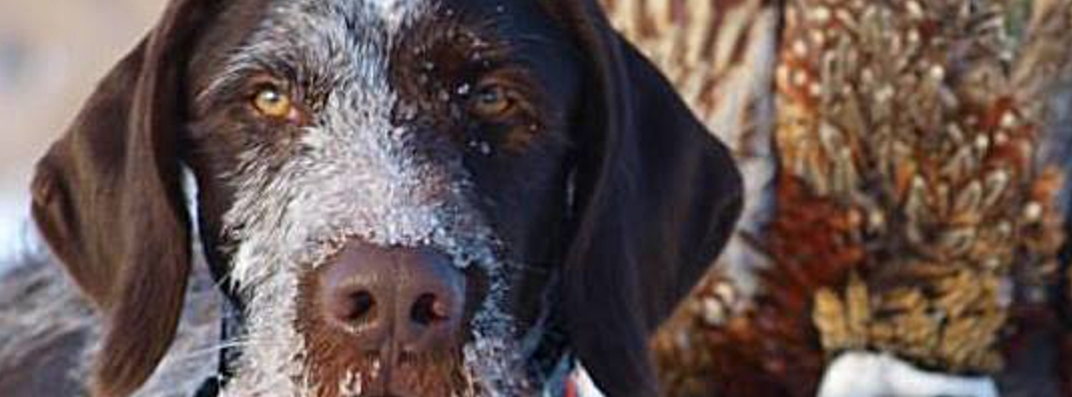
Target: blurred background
x=52 y=52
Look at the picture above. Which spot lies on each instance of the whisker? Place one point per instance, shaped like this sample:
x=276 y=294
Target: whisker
x=244 y=342
x=197 y=354
x=224 y=282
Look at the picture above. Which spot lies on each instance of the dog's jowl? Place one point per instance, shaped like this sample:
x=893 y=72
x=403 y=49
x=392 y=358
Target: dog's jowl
x=398 y=197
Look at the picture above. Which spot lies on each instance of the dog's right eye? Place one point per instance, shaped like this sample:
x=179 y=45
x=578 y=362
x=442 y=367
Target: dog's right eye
x=273 y=102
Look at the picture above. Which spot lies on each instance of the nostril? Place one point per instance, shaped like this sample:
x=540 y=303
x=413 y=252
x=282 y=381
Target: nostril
x=428 y=310
x=355 y=307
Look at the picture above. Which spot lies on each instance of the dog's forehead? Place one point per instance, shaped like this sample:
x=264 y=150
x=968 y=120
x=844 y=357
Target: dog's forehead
x=379 y=19
x=332 y=39
x=329 y=24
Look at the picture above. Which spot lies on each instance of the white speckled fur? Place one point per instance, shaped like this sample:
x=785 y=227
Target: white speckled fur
x=357 y=176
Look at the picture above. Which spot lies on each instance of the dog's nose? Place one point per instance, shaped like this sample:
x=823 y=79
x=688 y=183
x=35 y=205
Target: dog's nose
x=411 y=299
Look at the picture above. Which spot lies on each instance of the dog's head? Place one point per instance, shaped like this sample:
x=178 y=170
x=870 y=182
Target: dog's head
x=401 y=197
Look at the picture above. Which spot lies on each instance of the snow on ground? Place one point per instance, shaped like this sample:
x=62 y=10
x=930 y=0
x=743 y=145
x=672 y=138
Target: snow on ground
x=859 y=374
x=14 y=228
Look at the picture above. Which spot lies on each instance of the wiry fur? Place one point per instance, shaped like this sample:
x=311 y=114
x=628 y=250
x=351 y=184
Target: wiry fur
x=358 y=174
x=653 y=197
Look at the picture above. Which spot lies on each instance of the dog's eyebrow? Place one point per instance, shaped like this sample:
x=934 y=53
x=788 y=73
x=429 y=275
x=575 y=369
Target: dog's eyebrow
x=237 y=69
x=223 y=82
x=245 y=62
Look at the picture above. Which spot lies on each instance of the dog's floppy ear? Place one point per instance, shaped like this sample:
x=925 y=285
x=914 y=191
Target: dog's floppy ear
x=108 y=199
x=657 y=198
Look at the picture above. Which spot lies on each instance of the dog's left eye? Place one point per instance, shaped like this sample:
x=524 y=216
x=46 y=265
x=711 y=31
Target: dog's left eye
x=492 y=101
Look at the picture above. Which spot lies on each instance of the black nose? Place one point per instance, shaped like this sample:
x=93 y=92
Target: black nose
x=411 y=299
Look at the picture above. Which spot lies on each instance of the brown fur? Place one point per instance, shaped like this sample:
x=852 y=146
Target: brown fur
x=108 y=200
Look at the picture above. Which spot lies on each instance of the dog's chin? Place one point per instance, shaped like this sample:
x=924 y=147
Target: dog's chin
x=424 y=376
x=335 y=371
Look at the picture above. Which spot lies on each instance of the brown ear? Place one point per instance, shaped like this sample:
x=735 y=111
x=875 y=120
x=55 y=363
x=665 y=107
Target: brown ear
x=657 y=196
x=108 y=199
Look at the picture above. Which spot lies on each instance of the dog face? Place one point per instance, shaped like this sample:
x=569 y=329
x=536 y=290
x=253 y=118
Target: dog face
x=401 y=197
x=414 y=125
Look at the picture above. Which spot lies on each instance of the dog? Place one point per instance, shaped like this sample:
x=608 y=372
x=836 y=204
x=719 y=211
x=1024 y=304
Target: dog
x=396 y=197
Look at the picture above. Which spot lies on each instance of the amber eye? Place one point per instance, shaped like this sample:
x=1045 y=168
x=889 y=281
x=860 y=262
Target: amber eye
x=273 y=102
x=492 y=101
